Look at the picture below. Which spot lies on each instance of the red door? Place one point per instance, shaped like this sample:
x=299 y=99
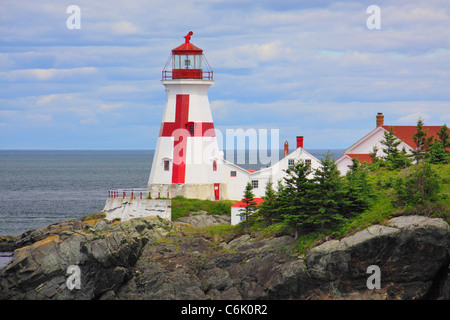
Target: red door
x=216 y=191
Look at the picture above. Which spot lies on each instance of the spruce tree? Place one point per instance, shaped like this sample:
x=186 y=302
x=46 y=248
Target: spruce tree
x=438 y=153
x=421 y=141
x=358 y=191
x=249 y=203
x=294 y=197
x=394 y=159
x=327 y=197
x=267 y=210
x=443 y=135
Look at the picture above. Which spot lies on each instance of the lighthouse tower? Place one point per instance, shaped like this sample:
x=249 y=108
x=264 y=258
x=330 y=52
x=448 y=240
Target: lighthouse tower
x=187 y=156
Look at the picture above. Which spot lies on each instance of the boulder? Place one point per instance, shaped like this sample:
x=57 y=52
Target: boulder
x=202 y=219
x=411 y=252
x=151 y=258
x=105 y=258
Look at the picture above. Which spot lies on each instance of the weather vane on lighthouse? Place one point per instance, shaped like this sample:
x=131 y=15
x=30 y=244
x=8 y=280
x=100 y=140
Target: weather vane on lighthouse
x=188 y=36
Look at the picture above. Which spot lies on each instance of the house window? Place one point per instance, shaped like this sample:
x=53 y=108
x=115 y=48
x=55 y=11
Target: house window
x=232 y=173
x=214 y=165
x=290 y=163
x=255 y=184
x=166 y=165
x=308 y=161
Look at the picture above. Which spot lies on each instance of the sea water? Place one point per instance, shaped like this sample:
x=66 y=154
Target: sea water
x=38 y=188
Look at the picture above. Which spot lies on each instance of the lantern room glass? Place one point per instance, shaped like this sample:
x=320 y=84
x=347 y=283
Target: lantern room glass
x=187 y=61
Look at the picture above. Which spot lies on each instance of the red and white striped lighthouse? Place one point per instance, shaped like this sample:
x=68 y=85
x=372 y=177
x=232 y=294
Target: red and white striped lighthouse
x=187 y=154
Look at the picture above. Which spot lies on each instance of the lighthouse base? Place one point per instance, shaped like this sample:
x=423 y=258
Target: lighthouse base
x=128 y=208
x=204 y=191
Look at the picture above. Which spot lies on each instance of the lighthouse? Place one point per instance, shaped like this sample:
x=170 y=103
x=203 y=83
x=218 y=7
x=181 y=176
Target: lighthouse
x=187 y=158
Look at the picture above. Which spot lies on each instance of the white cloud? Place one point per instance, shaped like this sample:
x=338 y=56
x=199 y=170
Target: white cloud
x=46 y=74
x=305 y=65
x=107 y=107
x=39 y=117
x=414 y=117
x=46 y=99
x=124 y=28
x=89 y=121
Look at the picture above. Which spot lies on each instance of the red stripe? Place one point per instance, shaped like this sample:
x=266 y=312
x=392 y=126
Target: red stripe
x=180 y=142
x=201 y=129
x=179 y=130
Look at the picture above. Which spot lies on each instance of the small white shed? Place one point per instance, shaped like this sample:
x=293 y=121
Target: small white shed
x=238 y=207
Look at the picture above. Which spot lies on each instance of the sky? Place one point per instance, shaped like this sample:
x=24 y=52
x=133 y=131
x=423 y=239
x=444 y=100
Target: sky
x=312 y=68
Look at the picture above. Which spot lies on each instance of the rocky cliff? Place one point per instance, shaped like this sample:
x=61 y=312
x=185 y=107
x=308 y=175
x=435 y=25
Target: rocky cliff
x=153 y=258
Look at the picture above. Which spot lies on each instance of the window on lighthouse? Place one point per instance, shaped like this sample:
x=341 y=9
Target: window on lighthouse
x=191 y=128
x=166 y=165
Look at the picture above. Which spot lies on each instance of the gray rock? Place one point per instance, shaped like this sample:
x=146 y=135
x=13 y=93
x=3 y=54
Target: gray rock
x=142 y=259
x=202 y=219
x=410 y=252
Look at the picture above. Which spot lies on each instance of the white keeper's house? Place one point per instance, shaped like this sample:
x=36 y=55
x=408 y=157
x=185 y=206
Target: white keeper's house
x=360 y=149
x=187 y=159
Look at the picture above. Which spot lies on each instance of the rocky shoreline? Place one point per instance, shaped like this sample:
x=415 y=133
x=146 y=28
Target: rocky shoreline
x=154 y=258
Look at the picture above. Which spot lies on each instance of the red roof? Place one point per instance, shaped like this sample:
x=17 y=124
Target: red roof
x=405 y=133
x=361 y=157
x=242 y=204
x=187 y=48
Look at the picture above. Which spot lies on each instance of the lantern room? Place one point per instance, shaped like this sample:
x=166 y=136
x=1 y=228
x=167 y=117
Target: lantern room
x=187 y=62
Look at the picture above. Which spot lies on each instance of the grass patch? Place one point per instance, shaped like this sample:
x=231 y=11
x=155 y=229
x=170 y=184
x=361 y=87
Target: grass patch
x=182 y=207
x=222 y=230
x=94 y=216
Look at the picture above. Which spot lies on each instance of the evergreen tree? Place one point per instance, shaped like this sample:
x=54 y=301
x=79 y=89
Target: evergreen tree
x=294 y=197
x=249 y=203
x=373 y=154
x=438 y=152
x=422 y=185
x=394 y=159
x=327 y=197
x=443 y=135
x=267 y=210
x=358 y=191
x=421 y=141
x=391 y=143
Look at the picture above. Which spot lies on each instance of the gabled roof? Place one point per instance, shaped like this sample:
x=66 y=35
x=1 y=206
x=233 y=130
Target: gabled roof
x=405 y=133
x=361 y=157
x=242 y=203
x=363 y=139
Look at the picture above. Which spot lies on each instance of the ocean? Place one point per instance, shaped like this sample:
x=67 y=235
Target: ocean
x=38 y=188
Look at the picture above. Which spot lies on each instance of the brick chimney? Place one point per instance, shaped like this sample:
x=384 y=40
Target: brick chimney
x=286 y=148
x=380 y=119
x=299 y=142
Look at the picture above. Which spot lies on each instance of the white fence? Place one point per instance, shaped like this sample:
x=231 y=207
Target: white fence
x=137 y=193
